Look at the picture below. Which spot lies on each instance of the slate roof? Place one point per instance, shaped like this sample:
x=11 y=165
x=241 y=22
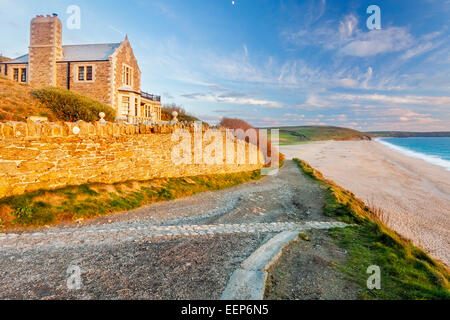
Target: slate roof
x=21 y=59
x=83 y=52
x=89 y=52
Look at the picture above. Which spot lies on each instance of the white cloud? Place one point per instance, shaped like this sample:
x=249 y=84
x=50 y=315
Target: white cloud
x=425 y=44
x=347 y=82
x=348 y=26
x=375 y=42
x=367 y=78
x=314 y=101
x=396 y=100
x=351 y=40
x=294 y=116
x=234 y=98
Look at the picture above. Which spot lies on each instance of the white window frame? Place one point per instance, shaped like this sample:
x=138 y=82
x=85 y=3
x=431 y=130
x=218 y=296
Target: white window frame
x=122 y=111
x=77 y=73
x=126 y=67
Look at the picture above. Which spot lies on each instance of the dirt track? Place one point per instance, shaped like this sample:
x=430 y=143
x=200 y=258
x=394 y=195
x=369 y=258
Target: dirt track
x=163 y=251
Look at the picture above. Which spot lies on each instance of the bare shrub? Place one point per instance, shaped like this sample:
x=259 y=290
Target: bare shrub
x=168 y=109
x=236 y=124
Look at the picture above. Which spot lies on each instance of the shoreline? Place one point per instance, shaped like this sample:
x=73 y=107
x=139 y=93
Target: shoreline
x=415 y=154
x=413 y=193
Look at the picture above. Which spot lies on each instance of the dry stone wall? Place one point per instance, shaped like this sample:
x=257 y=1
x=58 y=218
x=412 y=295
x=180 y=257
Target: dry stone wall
x=35 y=156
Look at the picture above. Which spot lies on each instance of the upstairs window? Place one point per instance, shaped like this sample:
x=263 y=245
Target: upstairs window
x=127 y=75
x=16 y=74
x=81 y=73
x=85 y=73
x=89 y=73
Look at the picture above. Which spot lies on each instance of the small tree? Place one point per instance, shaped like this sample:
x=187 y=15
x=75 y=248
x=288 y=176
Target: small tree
x=168 y=109
x=236 y=124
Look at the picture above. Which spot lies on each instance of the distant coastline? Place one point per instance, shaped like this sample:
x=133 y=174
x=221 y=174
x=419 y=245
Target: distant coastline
x=406 y=134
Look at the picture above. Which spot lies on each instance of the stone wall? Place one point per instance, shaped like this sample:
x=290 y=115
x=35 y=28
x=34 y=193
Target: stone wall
x=36 y=156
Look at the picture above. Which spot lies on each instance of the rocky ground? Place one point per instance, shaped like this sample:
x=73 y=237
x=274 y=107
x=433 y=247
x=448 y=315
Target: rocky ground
x=183 y=249
x=306 y=271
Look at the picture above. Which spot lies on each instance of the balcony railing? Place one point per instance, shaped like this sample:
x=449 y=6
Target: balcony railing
x=151 y=97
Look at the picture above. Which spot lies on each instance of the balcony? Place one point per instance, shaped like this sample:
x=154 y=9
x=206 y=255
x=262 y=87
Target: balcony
x=150 y=97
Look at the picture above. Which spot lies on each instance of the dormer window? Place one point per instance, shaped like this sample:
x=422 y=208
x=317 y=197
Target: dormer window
x=127 y=75
x=85 y=73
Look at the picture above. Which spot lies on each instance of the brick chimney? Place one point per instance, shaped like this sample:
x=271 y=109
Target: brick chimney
x=45 y=49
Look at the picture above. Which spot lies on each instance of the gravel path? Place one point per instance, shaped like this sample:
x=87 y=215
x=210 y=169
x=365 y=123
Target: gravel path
x=183 y=249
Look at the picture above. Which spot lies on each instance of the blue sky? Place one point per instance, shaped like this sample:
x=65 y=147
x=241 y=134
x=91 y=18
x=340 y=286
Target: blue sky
x=274 y=62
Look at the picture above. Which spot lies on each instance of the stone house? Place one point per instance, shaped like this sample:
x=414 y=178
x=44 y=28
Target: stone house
x=106 y=72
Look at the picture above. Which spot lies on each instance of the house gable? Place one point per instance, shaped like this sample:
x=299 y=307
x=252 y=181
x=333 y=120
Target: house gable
x=124 y=57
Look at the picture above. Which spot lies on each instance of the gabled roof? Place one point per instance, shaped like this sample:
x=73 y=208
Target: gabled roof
x=83 y=52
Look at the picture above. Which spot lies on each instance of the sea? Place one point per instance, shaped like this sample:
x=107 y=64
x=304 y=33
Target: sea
x=435 y=150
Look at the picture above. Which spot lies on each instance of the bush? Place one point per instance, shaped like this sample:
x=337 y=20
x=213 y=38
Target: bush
x=70 y=106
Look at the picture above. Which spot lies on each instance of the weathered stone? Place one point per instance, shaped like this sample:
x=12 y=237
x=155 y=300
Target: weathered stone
x=35 y=166
x=50 y=155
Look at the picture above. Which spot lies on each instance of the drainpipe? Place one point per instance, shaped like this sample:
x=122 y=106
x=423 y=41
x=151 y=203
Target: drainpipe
x=68 y=75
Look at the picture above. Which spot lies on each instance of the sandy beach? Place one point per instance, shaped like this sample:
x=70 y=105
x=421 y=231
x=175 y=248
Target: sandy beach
x=414 y=194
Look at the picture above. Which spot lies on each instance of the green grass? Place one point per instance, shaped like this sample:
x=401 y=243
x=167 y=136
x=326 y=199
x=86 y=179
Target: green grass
x=407 y=272
x=301 y=134
x=48 y=207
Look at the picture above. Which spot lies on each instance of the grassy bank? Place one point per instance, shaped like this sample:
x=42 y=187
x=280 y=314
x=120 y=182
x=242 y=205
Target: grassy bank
x=407 y=272
x=70 y=204
x=17 y=102
x=296 y=135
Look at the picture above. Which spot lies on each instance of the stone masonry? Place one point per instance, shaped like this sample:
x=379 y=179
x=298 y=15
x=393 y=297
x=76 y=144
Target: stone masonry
x=35 y=156
x=45 y=50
